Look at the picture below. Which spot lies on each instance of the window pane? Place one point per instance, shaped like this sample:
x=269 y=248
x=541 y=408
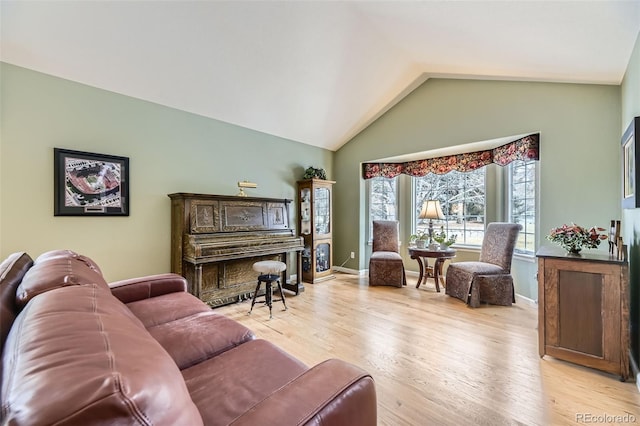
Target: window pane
x=522 y=206
x=462 y=198
x=383 y=196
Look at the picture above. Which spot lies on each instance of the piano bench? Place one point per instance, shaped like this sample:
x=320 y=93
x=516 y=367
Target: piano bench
x=270 y=272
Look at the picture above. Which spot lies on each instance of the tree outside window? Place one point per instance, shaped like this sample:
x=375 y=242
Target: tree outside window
x=383 y=200
x=462 y=198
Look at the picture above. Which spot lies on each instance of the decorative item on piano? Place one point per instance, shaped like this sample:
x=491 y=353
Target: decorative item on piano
x=245 y=184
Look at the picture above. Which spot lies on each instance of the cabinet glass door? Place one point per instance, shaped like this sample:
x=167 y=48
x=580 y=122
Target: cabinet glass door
x=323 y=260
x=322 y=203
x=305 y=211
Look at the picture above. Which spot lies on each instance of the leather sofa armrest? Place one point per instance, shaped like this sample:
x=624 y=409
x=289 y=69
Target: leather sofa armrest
x=333 y=392
x=147 y=287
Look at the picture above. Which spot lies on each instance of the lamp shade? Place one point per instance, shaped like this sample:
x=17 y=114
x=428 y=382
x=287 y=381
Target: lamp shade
x=431 y=210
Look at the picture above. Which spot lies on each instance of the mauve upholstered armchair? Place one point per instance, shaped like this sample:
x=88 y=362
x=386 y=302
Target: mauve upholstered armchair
x=385 y=264
x=488 y=280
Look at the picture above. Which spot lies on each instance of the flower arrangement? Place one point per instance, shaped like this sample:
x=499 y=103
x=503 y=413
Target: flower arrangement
x=441 y=237
x=574 y=238
x=418 y=236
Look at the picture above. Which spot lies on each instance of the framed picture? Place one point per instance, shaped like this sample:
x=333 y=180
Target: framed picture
x=630 y=165
x=88 y=184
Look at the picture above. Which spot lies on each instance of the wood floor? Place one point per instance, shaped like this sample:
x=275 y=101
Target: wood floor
x=436 y=361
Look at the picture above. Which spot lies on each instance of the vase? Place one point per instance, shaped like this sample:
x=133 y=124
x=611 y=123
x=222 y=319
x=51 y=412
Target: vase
x=420 y=243
x=574 y=250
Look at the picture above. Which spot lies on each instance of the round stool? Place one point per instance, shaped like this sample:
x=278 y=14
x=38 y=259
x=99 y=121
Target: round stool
x=269 y=272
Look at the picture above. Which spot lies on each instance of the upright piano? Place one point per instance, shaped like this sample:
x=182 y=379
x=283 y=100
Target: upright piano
x=215 y=239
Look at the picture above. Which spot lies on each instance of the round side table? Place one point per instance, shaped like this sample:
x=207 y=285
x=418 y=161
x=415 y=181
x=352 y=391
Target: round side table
x=425 y=270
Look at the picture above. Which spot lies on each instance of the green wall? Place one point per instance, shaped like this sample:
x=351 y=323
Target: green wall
x=579 y=169
x=631 y=218
x=169 y=151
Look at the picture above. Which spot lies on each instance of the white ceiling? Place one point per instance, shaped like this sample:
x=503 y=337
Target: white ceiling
x=316 y=72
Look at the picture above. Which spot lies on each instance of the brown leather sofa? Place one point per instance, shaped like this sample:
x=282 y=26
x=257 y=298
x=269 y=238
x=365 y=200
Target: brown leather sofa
x=76 y=350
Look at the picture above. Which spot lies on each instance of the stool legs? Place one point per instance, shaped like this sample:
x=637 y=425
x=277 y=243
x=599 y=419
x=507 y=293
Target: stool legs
x=253 y=299
x=282 y=295
x=268 y=295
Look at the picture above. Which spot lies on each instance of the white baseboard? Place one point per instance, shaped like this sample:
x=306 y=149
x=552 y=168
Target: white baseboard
x=365 y=272
x=526 y=301
x=359 y=272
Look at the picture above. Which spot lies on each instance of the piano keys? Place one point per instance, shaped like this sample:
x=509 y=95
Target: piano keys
x=215 y=239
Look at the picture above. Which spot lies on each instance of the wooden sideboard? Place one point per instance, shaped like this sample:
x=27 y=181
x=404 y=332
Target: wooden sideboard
x=215 y=239
x=583 y=309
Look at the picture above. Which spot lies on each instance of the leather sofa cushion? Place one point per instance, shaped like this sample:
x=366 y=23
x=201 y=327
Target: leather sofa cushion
x=55 y=269
x=12 y=269
x=227 y=386
x=133 y=289
x=62 y=254
x=166 y=308
x=199 y=337
x=76 y=355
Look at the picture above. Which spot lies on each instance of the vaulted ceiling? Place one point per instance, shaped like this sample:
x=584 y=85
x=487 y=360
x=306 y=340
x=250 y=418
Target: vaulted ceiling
x=316 y=72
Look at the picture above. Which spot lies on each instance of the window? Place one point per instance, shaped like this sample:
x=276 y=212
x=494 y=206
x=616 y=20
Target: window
x=522 y=202
x=383 y=200
x=462 y=197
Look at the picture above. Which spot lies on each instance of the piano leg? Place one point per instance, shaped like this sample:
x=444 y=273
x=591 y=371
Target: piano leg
x=296 y=287
x=198 y=285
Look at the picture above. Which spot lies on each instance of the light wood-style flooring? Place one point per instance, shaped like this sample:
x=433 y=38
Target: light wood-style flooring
x=437 y=362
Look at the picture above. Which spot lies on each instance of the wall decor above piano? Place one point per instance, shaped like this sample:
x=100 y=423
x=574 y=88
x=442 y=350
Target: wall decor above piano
x=89 y=184
x=215 y=239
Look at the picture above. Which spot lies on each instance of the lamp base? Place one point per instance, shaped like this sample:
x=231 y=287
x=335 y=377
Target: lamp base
x=430 y=231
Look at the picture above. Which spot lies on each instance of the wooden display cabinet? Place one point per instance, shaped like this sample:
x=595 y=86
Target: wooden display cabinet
x=583 y=304
x=315 y=205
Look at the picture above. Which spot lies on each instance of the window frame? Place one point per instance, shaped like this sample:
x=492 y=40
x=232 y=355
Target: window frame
x=508 y=190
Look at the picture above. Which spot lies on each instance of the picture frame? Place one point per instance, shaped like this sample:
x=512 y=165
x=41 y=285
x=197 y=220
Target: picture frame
x=631 y=165
x=90 y=184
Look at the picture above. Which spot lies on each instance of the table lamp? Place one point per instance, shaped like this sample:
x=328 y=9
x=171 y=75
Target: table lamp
x=431 y=210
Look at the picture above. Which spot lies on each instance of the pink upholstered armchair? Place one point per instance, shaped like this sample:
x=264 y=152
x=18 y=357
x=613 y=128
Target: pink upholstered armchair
x=489 y=279
x=385 y=264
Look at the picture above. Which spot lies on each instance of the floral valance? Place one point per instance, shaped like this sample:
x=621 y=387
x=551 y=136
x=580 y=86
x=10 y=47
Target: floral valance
x=526 y=148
